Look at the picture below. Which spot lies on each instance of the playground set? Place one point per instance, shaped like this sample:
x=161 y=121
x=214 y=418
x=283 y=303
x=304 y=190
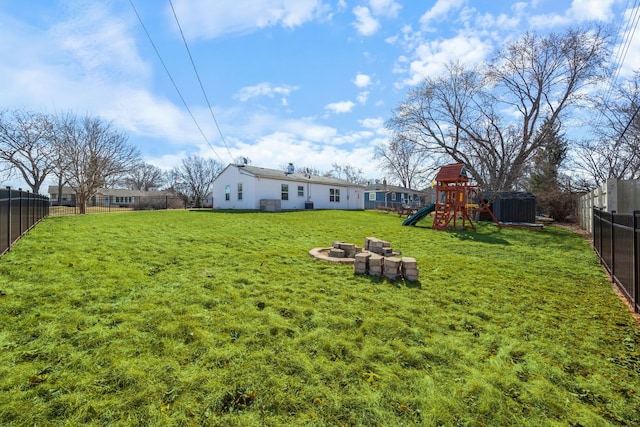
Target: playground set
x=456 y=201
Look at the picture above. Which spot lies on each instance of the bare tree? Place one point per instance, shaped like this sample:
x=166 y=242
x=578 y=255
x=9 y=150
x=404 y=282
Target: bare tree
x=309 y=170
x=348 y=173
x=25 y=145
x=615 y=150
x=194 y=177
x=145 y=177
x=242 y=160
x=405 y=161
x=490 y=119
x=96 y=155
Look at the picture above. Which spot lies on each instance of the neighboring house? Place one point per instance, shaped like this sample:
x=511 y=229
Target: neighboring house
x=250 y=187
x=393 y=197
x=104 y=196
x=68 y=196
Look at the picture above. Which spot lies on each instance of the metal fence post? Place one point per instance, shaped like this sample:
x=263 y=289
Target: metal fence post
x=9 y=220
x=636 y=263
x=20 y=211
x=612 y=243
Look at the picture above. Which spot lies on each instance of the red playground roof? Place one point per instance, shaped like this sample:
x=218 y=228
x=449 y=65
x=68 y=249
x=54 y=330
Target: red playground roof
x=452 y=173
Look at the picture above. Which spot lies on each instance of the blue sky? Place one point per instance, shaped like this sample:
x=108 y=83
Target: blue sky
x=304 y=81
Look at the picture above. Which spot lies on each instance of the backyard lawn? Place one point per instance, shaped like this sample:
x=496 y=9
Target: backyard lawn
x=192 y=318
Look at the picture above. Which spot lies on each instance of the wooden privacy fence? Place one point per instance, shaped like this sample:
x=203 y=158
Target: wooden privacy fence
x=19 y=212
x=616 y=240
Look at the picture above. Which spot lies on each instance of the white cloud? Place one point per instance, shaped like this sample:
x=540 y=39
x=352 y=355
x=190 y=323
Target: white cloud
x=279 y=148
x=98 y=44
x=340 y=107
x=580 y=11
x=263 y=89
x=362 y=80
x=365 y=23
x=591 y=10
x=363 y=96
x=388 y=8
x=210 y=19
x=431 y=57
x=439 y=10
x=372 y=123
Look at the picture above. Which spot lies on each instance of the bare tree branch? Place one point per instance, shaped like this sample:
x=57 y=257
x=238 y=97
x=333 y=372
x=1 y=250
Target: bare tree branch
x=95 y=154
x=490 y=119
x=25 y=145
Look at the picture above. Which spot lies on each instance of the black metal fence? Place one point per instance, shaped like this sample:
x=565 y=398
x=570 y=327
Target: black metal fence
x=19 y=212
x=616 y=240
x=99 y=204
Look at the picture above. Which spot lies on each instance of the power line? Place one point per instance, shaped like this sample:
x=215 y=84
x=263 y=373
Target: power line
x=173 y=81
x=628 y=32
x=199 y=80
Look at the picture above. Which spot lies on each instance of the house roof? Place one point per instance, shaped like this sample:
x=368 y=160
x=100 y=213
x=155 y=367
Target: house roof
x=119 y=192
x=391 y=188
x=296 y=177
x=452 y=173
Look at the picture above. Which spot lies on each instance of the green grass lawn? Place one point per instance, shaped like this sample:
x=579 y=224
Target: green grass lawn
x=223 y=319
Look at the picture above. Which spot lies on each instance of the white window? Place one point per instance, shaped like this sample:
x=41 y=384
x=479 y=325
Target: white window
x=372 y=196
x=227 y=192
x=240 y=191
x=284 y=191
x=300 y=190
x=393 y=196
x=334 y=195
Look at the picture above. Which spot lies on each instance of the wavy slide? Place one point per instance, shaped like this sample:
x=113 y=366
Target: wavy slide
x=413 y=219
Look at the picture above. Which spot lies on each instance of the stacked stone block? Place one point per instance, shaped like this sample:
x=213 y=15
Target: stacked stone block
x=344 y=250
x=377 y=246
x=376 y=264
x=361 y=264
x=336 y=253
x=410 y=269
x=379 y=260
x=392 y=268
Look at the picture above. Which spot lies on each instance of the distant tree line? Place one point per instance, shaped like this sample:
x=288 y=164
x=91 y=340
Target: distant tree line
x=87 y=153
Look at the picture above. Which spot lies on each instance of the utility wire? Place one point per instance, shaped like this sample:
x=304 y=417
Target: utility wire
x=193 y=64
x=628 y=32
x=173 y=81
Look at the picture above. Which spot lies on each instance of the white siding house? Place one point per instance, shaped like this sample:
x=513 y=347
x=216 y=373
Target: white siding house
x=250 y=187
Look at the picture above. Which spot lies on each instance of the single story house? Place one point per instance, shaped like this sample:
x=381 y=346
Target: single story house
x=67 y=198
x=103 y=196
x=248 y=187
x=392 y=196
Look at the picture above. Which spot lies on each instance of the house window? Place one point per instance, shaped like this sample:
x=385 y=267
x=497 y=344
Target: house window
x=372 y=196
x=284 y=191
x=300 y=190
x=393 y=196
x=240 y=191
x=227 y=192
x=334 y=195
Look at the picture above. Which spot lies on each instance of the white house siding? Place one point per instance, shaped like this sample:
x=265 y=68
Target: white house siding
x=255 y=188
x=231 y=177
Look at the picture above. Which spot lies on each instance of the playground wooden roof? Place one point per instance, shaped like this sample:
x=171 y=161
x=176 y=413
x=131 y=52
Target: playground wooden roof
x=452 y=173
